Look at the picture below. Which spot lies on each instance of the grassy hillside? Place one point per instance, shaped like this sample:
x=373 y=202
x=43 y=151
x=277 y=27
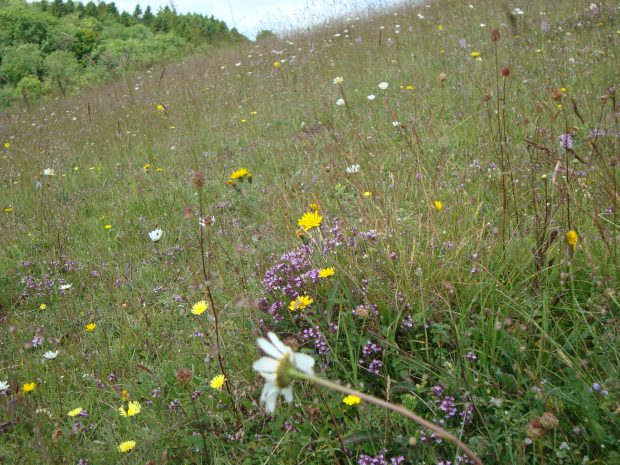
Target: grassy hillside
x=462 y=184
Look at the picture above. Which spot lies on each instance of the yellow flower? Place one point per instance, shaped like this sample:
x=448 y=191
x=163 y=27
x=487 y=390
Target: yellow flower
x=351 y=400
x=300 y=303
x=572 y=238
x=29 y=387
x=440 y=27
x=8 y=210
x=91 y=326
x=75 y=412
x=126 y=446
x=474 y=54
x=240 y=173
x=160 y=107
x=438 y=205
x=327 y=272
x=367 y=194
x=133 y=408
x=42 y=306
x=217 y=382
x=108 y=226
x=314 y=207
x=310 y=220
x=146 y=167
x=7 y=145
x=244 y=120
x=409 y=87
x=199 y=307
x=124 y=395
x=277 y=64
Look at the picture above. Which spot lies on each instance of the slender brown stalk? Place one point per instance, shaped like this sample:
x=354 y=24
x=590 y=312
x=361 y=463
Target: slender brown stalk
x=440 y=432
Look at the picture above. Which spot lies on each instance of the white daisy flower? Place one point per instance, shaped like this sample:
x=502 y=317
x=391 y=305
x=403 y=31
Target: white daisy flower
x=383 y=85
x=338 y=80
x=275 y=369
x=340 y=102
x=353 y=169
x=49 y=172
x=156 y=234
x=50 y=354
x=4 y=386
x=64 y=287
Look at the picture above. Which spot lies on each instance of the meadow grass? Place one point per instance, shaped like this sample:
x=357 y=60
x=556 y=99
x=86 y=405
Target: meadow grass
x=475 y=247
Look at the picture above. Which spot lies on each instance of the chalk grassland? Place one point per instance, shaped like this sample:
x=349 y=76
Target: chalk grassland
x=467 y=188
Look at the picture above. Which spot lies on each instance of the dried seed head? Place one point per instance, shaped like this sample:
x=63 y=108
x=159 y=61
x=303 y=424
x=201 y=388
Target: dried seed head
x=442 y=77
x=198 y=180
x=549 y=421
x=495 y=35
x=506 y=71
x=184 y=376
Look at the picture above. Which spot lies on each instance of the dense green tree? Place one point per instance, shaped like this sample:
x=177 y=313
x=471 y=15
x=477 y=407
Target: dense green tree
x=85 y=42
x=137 y=13
x=147 y=17
x=61 y=68
x=21 y=61
x=31 y=88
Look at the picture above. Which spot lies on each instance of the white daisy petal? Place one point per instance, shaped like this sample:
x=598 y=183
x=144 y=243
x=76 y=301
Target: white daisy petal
x=278 y=344
x=268 y=348
x=287 y=393
x=304 y=363
x=265 y=365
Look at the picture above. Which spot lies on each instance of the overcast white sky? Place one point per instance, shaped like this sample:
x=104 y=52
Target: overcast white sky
x=250 y=16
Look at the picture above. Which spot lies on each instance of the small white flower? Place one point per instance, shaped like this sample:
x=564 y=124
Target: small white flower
x=353 y=169
x=275 y=370
x=64 y=287
x=383 y=85
x=395 y=124
x=483 y=25
x=4 y=386
x=156 y=234
x=340 y=102
x=206 y=221
x=49 y=172
x=51 y=355
x=517 y=11
x=371 y=97
x=338 y=80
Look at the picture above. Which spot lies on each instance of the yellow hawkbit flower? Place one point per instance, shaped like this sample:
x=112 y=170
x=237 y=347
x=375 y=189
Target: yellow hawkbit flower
x=29 y=387
x=217 y=382
x=7 y=145
x=351 y=400
x=440 y=27
x=124 y=395
x=327 y=272
x=277 y=64
x=474 y=54
x=367 y=194
x=310 y=220
x=75 y=412
x=133 y=408
x=160 y=107
x=146 y=167
x=572 y=238
x=199 y=307
x=126 y=446
x=91 y=327
x=409 y=87
x=239 y=174
x=300 y=303
x=42 y=306
x=438 y=205
x=8 y=210
x=108 y=226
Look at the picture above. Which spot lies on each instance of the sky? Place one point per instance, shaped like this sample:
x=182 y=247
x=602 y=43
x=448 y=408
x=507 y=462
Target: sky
x=250 y=16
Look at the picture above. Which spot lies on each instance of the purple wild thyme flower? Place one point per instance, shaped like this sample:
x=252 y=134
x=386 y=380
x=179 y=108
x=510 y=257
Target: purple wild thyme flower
x=566 y=141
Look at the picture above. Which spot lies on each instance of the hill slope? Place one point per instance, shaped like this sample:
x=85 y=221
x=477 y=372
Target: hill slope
x=462 y=184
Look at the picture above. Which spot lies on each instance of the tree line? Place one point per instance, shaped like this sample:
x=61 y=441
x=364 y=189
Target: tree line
x=54 y=47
